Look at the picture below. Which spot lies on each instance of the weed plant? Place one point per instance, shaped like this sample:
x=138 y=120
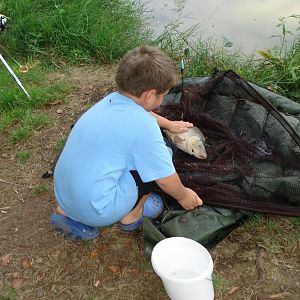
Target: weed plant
x=23 y=155
x=78 y=31
x=16 y=110
x=276 y=70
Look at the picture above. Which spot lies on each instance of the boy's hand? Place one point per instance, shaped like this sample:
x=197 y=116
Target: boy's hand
x=190 y=200
x=173 y=186
x=179 y=126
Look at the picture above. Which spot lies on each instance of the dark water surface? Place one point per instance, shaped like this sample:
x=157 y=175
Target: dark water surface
x=244 y=24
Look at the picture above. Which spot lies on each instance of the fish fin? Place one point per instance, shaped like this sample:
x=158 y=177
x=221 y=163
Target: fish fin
x=178 y=139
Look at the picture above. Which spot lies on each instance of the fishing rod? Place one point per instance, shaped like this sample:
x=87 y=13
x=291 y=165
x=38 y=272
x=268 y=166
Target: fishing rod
x=182 y=71
x=3 y=21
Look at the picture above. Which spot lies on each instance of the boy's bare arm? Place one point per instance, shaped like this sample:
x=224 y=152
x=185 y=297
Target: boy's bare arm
x=173 y=126
x=173 y=186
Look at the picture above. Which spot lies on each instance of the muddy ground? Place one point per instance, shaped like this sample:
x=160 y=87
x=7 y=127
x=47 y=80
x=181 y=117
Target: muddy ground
x=259 y=260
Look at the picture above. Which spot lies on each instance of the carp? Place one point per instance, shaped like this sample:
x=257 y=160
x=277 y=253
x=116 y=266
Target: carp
x=191 y=141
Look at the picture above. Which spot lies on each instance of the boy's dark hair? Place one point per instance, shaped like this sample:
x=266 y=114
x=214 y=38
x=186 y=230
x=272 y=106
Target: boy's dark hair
x=145 y=68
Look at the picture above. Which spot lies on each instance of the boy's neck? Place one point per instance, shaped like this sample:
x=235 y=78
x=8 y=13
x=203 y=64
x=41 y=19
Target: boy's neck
x=141 y=100
x=134 y=98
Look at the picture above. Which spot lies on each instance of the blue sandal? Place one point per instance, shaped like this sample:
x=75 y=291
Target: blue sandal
x=153 y=207
x=72 y=229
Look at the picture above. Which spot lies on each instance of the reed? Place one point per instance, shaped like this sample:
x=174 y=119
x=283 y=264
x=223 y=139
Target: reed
x=275 y=69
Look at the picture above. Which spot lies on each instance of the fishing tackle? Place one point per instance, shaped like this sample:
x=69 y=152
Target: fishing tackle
x=182 y=70
x=3 y=21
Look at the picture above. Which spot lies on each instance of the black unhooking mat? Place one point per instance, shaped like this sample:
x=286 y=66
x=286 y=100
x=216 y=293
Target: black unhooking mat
x=253 y=158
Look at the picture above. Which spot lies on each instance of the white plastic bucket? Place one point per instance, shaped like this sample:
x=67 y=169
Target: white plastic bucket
x=185 y=268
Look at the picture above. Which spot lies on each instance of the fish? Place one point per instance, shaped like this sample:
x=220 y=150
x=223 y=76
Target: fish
x=191 y=141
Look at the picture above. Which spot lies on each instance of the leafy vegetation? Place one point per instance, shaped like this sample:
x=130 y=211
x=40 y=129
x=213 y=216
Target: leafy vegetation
x=77 y=31
x=278 y=69
x=23 y=155
x=59 y=145
x=17 y=109
x=40 y=189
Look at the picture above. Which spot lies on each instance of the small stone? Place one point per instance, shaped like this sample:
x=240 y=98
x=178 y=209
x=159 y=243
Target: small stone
x=17 y=283
x=40 y=292
x=39 y=260
x=59 y=111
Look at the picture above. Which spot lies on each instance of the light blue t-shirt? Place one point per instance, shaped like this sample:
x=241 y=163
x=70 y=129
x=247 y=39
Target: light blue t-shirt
x=92 y=183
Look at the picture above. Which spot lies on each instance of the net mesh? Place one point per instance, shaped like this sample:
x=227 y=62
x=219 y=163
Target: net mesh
x=253 y=153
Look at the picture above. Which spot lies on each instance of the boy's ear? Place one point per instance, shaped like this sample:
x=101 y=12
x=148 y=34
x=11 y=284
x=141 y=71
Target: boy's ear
x=148 y=95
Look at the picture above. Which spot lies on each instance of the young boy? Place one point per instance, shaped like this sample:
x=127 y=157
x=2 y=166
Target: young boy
x=116 y=154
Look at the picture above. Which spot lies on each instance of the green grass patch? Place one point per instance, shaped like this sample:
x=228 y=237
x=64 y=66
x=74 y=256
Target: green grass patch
x=16 y=110
x=19 y=134
x=35 y=83
x=273 y=233
x=59 y=145
x=8 y=294
x=74 y=30
x=40 y=189
x=220 y=282
x=253 y=222
x=35 y=121
x=28 y=122
x=23 y=155
x=295 y=222
x=145 y=265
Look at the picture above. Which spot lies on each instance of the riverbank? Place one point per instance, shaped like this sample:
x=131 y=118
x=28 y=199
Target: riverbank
x=36 y=262
x=259 y=260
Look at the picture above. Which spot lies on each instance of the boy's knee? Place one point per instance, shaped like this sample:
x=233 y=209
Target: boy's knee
x=170 y=151
x=59 y=211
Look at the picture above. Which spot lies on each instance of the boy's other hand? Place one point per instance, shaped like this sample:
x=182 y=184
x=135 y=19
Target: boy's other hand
x=179 y=126
x=190 y=200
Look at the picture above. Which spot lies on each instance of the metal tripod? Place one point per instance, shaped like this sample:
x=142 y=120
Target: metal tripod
x=3 y=20
x=11 y=72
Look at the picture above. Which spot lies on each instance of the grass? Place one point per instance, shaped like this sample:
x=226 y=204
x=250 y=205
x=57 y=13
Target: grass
x=28 y=122
x=77 y=31
x=145 y=265
x=18 y=114
x=273 y=233
x=277 y=69
x=221 y=284
x=40 y=189
x=23 y=155
x=8 y=294
x=59 y=145
x=19 y=134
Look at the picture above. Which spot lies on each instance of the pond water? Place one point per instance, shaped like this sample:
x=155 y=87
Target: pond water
x=244 y=24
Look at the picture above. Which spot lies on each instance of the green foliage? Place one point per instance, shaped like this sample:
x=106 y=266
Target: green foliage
x=19 y=134
x=16 y=108
x=295 y=222
x=220 y=282
x=8 y=294
x=35 y=121
x=279 y=70
x=34 y=81
x=40 y=189
x=253 y=222
x=59 y=145
x=28 y=122
x=23 y=155
x=145 y=265
x=283 y=63
x=75 y=30
x=273 y=233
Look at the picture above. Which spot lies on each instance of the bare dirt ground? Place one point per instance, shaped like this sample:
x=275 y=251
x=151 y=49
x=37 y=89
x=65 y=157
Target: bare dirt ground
x=260 y=260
